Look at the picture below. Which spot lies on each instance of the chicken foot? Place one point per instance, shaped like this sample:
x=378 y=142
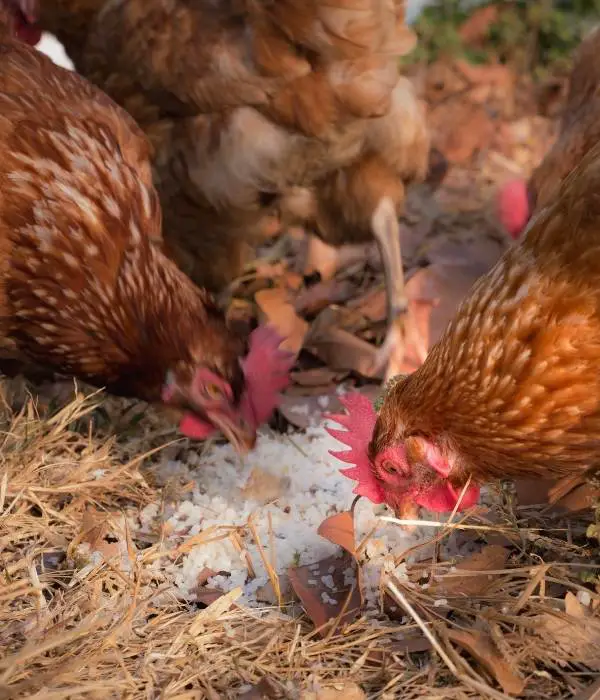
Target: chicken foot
x=401 y=324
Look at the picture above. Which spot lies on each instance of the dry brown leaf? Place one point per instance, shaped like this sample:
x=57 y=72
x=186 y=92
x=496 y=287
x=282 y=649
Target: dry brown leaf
x=491 y=558
x=475 y=28
x=339 y=529
x=319 y=376
x=321 y=258
x=372 y=305
x=346 y=690
x=341 y=350
x=482 y=648
x=322 y=602
x=279 y=312
x=207 y=596
x=314 y=299
x=264 y=487
x=99 y=533
x=531 y=492
x=264 y=690
x=204 y=575
x=576 y=632
x=293 y=280
x=327 y=260
x=266 y=593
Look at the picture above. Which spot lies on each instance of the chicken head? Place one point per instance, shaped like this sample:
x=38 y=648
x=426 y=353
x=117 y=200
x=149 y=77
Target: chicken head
x=234 y=408
x=402 y=474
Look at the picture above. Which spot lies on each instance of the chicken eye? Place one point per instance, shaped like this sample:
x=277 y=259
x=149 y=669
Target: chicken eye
x=213 y=391
x=389 y=467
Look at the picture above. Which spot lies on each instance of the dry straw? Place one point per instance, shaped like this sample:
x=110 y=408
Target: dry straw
x=108 y=625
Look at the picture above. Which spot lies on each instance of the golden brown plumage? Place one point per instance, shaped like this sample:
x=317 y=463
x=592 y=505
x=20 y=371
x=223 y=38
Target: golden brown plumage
x=84 y=286
x=249 y=102
x=579 y=132
x=580 y=124
x=512 y=388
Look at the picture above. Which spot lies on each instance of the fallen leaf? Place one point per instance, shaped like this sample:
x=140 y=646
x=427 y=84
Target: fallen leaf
x=266 y=593
x=591 y=693
x=318 y=376
x=339 y=529
x=372 y=305
x=264 y=487
x=264 y=690
x=576 y=632
x=214 y=611
x=270 y=270
x=280 y=313
x=324 y=603
x=491 y=558
x=346 y=690
x=476 y=27
x=204 y=575
x=99 y=532
x=327 y=260
x=293 y=280
x=207 y=596
x=533 y=492
x=317 y=297
x=321 y=258
x=341 y=350
x=482 y=648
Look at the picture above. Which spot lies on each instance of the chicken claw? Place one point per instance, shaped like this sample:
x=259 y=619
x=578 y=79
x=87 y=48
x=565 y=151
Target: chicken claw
x=401 y=324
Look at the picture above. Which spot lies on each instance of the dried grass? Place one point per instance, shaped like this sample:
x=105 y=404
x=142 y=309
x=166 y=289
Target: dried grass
x=108 y=625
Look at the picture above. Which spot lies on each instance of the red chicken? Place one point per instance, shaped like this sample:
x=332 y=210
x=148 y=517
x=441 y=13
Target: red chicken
x=512 y=388
x=258 y=110
x=579 y=132
x=84 y=287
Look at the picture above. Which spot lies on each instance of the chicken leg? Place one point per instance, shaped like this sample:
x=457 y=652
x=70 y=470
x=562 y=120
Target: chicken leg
x=401 y=323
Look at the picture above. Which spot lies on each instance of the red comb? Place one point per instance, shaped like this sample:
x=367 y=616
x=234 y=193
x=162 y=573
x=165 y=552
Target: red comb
x=359 y=423
x=266 y=370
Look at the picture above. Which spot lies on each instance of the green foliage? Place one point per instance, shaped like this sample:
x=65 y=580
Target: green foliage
x=533 y=35
x=378 y=403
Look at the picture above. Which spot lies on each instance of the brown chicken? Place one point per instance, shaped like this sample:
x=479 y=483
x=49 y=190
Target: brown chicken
x=258 y=109
x=579 y=132
x=20 y=17
x=84 y=287
x=512 y=388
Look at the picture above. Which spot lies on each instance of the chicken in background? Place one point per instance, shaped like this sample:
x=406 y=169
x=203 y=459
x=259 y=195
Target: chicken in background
x=259 y=111
x=512 y=388
x=69 y=21
x=579 y=132
x=84 y=287
x=21 y=18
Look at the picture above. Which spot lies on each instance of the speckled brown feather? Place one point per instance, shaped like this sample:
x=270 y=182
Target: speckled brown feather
x=580 y=124
x=84 y=287
x=244 y=100
x=513 y=386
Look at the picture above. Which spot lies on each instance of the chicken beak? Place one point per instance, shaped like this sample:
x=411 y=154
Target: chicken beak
x=241 y=435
